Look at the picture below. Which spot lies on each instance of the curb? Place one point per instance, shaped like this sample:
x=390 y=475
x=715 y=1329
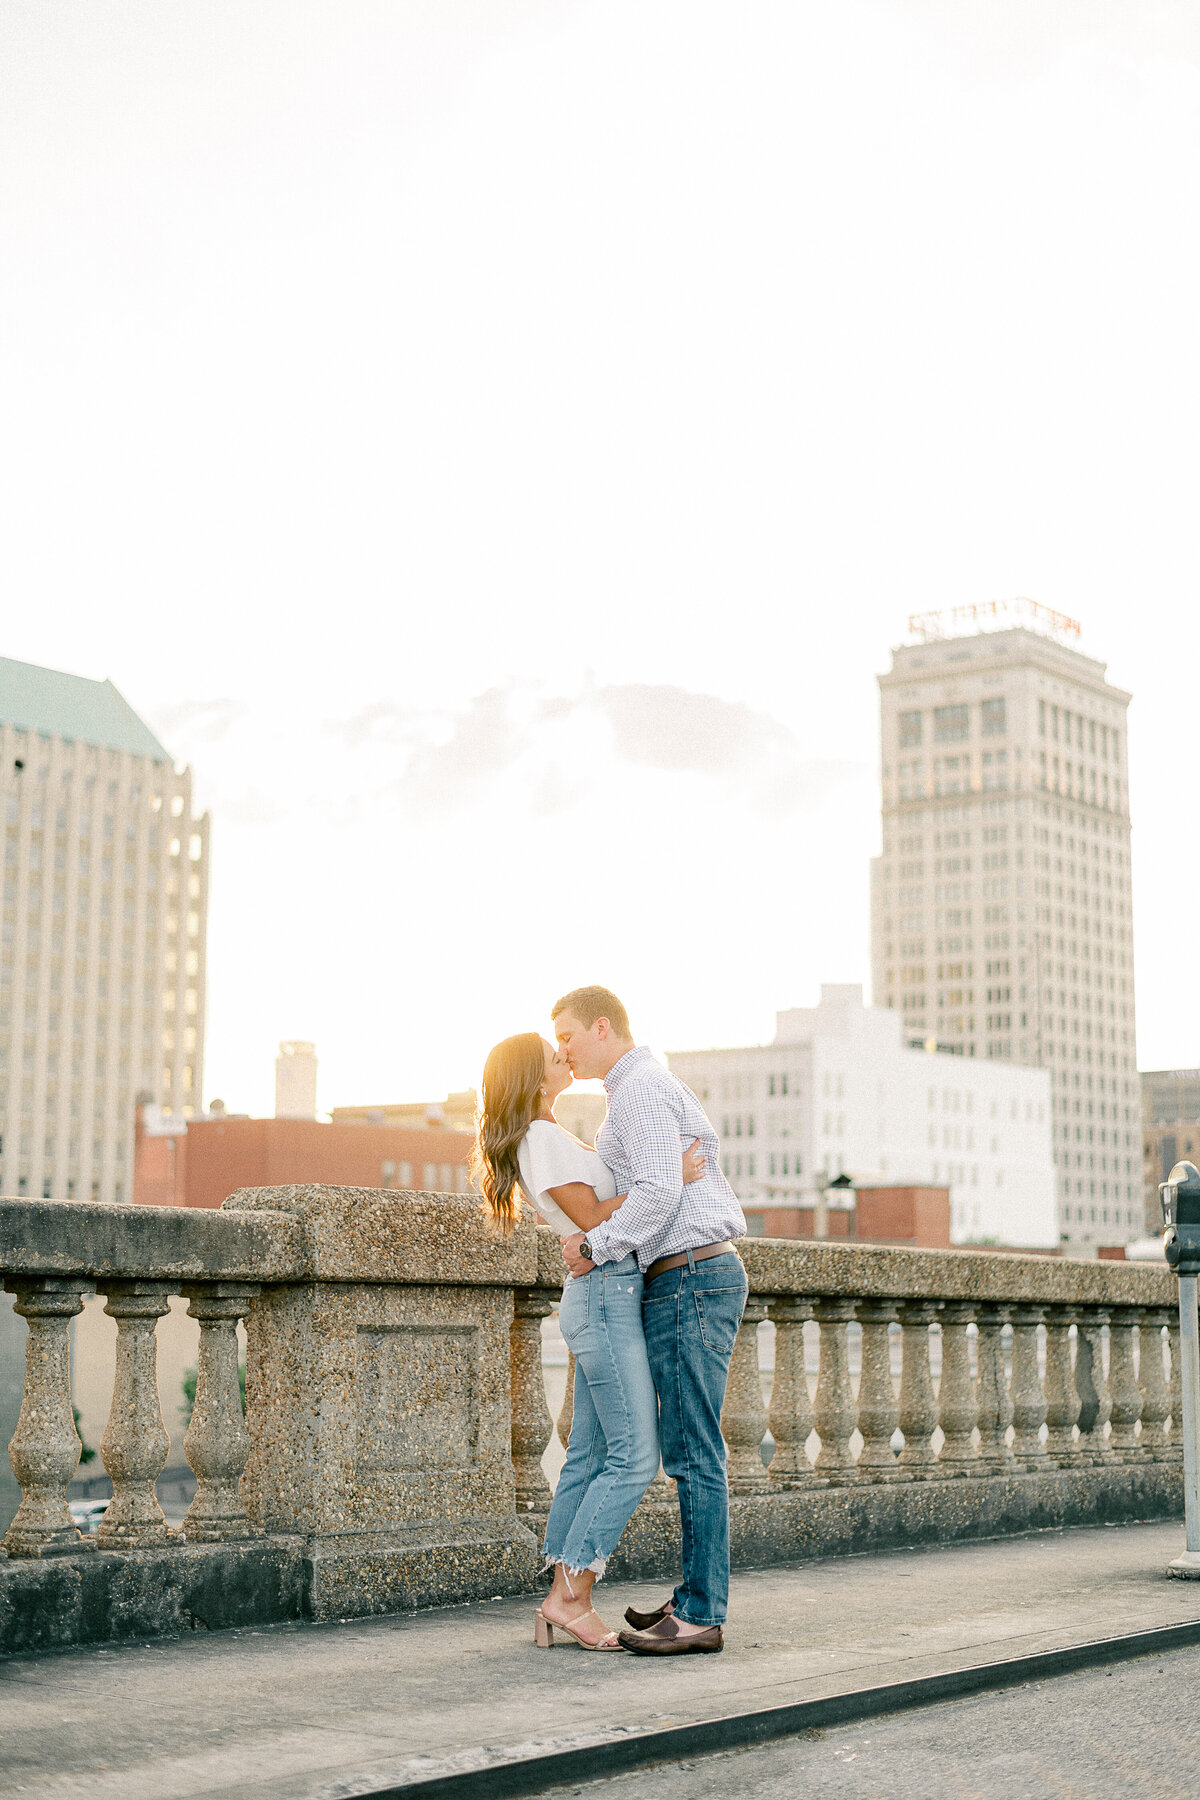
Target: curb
x=737 y=1731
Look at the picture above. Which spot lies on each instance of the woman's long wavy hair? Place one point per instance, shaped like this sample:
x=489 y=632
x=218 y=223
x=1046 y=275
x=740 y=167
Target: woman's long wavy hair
x=512 y=1077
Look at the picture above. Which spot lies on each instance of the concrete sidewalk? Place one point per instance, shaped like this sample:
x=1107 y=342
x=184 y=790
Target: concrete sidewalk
x=316 y=1712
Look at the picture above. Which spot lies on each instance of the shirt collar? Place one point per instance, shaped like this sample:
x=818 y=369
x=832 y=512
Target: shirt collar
x=632 y=1059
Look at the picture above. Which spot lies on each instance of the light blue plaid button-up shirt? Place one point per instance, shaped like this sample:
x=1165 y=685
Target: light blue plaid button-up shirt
x=651 y=1117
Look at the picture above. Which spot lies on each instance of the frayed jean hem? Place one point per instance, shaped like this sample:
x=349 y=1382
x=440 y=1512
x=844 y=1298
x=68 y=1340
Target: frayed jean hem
x=596 y=1567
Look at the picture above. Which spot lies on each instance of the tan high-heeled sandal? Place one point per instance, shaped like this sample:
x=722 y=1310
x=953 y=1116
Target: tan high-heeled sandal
x=544 y=1630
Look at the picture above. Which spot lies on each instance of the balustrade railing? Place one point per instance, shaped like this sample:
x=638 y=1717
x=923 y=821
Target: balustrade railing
x=137 y=1272
x=1035 y=1374
x=381 y=1410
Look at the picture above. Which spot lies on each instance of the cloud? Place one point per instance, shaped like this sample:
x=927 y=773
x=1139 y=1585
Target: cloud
x=553 y=745
x=197 y=721
x=671 y=728
x=674 y=729
x=485 y=741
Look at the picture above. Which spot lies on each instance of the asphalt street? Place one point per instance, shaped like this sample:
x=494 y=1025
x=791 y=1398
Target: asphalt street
x=1107 y=1734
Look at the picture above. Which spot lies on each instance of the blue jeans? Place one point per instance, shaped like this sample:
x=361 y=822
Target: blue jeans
x=691 y=1316
x=613 y=1454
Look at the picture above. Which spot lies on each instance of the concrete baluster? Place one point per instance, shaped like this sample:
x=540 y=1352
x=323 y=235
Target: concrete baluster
x=957 y=1405
x=744 y=1417
x=1123 y=1386
x=791 y=1414
x=1175 y=1390
x=1092 y=1384
x=1152 y=1379
x=834 y=1410
x=1062 y=1396
x=918 y=1406
x=531 y=1421
x=878 y=1409
x=135 y=1442
x=45 y=1447
x=217 y=1442
x=1028 y=1395
x=995 y=1404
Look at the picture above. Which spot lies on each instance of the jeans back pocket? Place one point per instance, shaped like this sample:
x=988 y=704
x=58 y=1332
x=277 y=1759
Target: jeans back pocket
x=719 y=1311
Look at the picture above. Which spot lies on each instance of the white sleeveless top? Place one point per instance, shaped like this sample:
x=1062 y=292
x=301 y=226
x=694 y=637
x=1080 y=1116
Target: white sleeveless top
x=550 y=1157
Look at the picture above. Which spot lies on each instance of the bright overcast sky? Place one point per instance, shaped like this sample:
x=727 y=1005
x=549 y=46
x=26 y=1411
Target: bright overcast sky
x=497 y=444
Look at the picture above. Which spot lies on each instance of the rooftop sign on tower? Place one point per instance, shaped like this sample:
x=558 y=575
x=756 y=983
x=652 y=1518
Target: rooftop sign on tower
x=992 y=615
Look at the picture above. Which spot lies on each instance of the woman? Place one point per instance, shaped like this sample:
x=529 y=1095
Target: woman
x=613 y=1454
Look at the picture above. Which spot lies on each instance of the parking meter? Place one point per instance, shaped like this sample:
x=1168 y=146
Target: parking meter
x=1180 y=1196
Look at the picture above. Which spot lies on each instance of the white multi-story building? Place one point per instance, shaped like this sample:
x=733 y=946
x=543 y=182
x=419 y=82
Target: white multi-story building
x=1001 y=912
x=840 y=1092
x=102 y=936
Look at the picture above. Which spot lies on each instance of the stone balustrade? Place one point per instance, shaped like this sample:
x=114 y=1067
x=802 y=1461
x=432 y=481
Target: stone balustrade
x=391 y=1451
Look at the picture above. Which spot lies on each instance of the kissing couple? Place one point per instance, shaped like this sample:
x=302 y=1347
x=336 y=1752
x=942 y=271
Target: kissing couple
x=650 y=1309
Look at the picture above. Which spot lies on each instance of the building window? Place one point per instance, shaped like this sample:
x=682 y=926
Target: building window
x=912 y=780
x=994 y=724
x=951 y=774
x=910 y=729
x=951 y=723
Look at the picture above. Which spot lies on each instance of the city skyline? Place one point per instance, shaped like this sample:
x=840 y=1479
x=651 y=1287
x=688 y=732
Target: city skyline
x=482 y=524
x=373 y=1087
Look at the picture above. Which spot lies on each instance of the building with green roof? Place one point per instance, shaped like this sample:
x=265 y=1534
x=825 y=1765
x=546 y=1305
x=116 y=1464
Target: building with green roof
x=102 y=937
x=73 y=708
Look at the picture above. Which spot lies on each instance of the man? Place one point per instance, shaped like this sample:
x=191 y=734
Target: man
x=694 y=1291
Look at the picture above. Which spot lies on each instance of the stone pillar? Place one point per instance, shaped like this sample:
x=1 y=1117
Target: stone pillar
x=1152 y=1379
x=995 y=1405
x=45 y=1447
x=1028 y=1398
x=744 y=1417
x=1092 y=1384
x=217 y=1442
x=1175 y=1390
x=1062 y=1397
x=834 y=1410
x=135 y=1442
x=878 y=1412
x=791 y=1415
x=918 y=1407
x=1122 y=1384
x=957 y=1405
x=531 y=1421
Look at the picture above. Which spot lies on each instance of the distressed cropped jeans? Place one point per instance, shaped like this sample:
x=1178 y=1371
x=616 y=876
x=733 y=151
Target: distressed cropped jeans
x=691 y=1317
x=613 y=1454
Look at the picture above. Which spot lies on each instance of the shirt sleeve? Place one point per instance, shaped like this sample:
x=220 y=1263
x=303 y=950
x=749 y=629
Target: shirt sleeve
x=649 y=1132
x=550 y=1161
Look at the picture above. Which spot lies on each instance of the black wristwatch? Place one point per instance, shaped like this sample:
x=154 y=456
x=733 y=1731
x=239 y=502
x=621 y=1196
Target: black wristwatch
x=585 y=1249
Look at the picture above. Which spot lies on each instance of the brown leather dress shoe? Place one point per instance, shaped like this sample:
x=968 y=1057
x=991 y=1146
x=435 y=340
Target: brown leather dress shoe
x=665 y=1639
x=643 y=1621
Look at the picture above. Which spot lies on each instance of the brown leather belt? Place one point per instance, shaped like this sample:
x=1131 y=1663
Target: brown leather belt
x=678 y=1262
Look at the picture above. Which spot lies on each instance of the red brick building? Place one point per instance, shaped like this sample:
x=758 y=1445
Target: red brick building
x=200 y=1162
x=915 y=1216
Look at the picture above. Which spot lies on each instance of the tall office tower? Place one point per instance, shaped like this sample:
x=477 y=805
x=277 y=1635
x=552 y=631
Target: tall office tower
x=1000 y=907
x=102 y=948
x=296 y=1081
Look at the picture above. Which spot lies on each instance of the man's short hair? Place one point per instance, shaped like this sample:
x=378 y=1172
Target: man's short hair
x=591 y=1003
